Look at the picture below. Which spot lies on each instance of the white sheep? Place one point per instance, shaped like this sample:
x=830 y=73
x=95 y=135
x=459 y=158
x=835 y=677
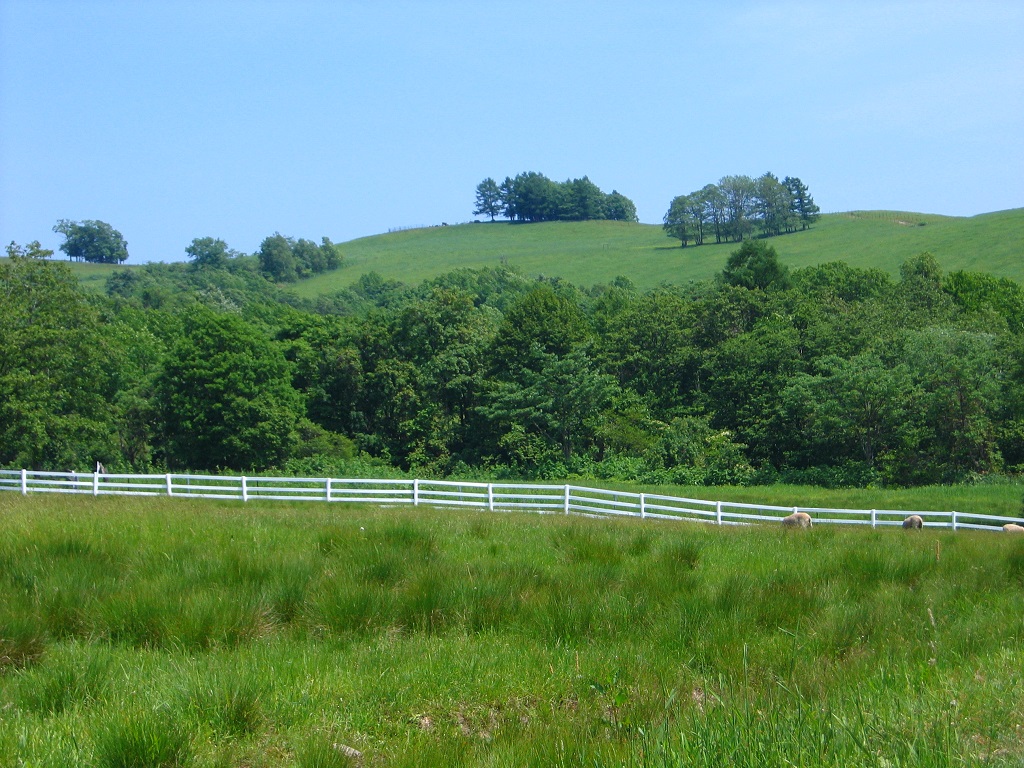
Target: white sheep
x=798 y=520
x=913 y=522
x=1013 y=528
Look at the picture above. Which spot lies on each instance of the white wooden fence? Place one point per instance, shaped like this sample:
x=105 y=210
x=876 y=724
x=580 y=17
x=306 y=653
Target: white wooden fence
x=551 y=499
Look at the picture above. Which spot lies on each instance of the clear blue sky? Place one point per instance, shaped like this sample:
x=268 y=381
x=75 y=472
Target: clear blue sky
x=173 y=120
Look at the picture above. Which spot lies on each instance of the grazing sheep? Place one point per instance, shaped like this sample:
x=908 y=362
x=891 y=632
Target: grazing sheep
x=1013 y=528
x=913 y=522
x=797 y=520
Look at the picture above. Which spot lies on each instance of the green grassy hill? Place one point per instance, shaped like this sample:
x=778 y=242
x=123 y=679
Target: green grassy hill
x=586 y=253
x=591 y=252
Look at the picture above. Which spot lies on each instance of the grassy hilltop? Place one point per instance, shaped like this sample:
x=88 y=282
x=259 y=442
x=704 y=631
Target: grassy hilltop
x=591 y=252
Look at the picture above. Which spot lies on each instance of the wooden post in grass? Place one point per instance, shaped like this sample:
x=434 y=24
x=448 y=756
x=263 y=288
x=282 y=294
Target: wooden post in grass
x=718 y=512
x=490 y=497
x=416 y=493
x=24 y=482
x=245 y=490
x=567 y=499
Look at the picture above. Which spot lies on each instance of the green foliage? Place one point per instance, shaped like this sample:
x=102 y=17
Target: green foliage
x=488 y=199
x=285 y=260
x=834 y=373
x=33 y=250
x=55 y=385
x=534 y=197
x=225 y=396
x=755 y=265
x=208 y=253
x=93 y=241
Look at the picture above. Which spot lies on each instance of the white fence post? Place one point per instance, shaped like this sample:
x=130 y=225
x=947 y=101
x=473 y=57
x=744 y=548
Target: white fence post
x=170 y=485
x=953 y=515
x=490 y=497
x=24 y=482
x=327 y=489
x=245 y=490
x=874 y=518
x=718 y=512
x=416 y=492
x=95 y=483
x=643 y=506
x=567 y=499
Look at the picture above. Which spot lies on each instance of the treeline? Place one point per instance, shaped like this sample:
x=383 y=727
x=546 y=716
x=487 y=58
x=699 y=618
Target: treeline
x=827 y=374
x=280 y=259
x=738 y=207
x=533 y=196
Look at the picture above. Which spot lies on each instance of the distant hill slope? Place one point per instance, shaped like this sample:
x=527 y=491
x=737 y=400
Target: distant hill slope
x=591 y=252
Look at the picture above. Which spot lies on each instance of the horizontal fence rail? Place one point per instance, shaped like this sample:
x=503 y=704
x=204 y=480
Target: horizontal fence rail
x=495 y=497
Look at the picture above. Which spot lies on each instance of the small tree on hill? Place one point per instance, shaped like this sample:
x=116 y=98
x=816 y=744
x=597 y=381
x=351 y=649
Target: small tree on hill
x=803 y=206
x=488 y=199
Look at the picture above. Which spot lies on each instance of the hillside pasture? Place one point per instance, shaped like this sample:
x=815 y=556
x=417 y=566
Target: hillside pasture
x=594 y=252
x=205 y=633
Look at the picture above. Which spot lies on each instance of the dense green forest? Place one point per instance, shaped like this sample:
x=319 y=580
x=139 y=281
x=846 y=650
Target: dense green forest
x=825 y=374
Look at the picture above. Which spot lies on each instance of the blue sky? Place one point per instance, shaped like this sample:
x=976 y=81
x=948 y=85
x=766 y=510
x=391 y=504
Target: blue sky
x=173 y=120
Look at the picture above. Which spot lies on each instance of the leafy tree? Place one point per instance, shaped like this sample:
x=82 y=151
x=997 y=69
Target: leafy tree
x=277 y=260
x=772 y=206
x=649 y=348
x=584 y=200
x=532 y=196
x=56 y=378
x=856 y=411
x=33 y=250
x=618 y=207
x=488 y=199
x=541 y=321
x=94 y=241
x=960 y=375
x=286 y=260
x=226 y=398
x=739 y=195
x=978 y=292
x=755 y=265
x=713 y=209
x=679 y=220
x=208 y=253
x=557 y=406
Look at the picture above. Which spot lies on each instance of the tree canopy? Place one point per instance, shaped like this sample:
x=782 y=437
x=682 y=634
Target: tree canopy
x=532 y=196
x=739 y=206
x=94 y=241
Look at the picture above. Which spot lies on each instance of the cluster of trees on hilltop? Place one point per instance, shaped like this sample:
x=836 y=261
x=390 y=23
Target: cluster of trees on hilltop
x=825 y=374
x=93 y=241
x=533 y=196
x=738 y=207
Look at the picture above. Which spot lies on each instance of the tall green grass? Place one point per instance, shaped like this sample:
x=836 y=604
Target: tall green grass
x=201 y=633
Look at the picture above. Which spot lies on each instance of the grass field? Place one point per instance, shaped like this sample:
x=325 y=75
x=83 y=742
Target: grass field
x=588 y=253
x=199 y=633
